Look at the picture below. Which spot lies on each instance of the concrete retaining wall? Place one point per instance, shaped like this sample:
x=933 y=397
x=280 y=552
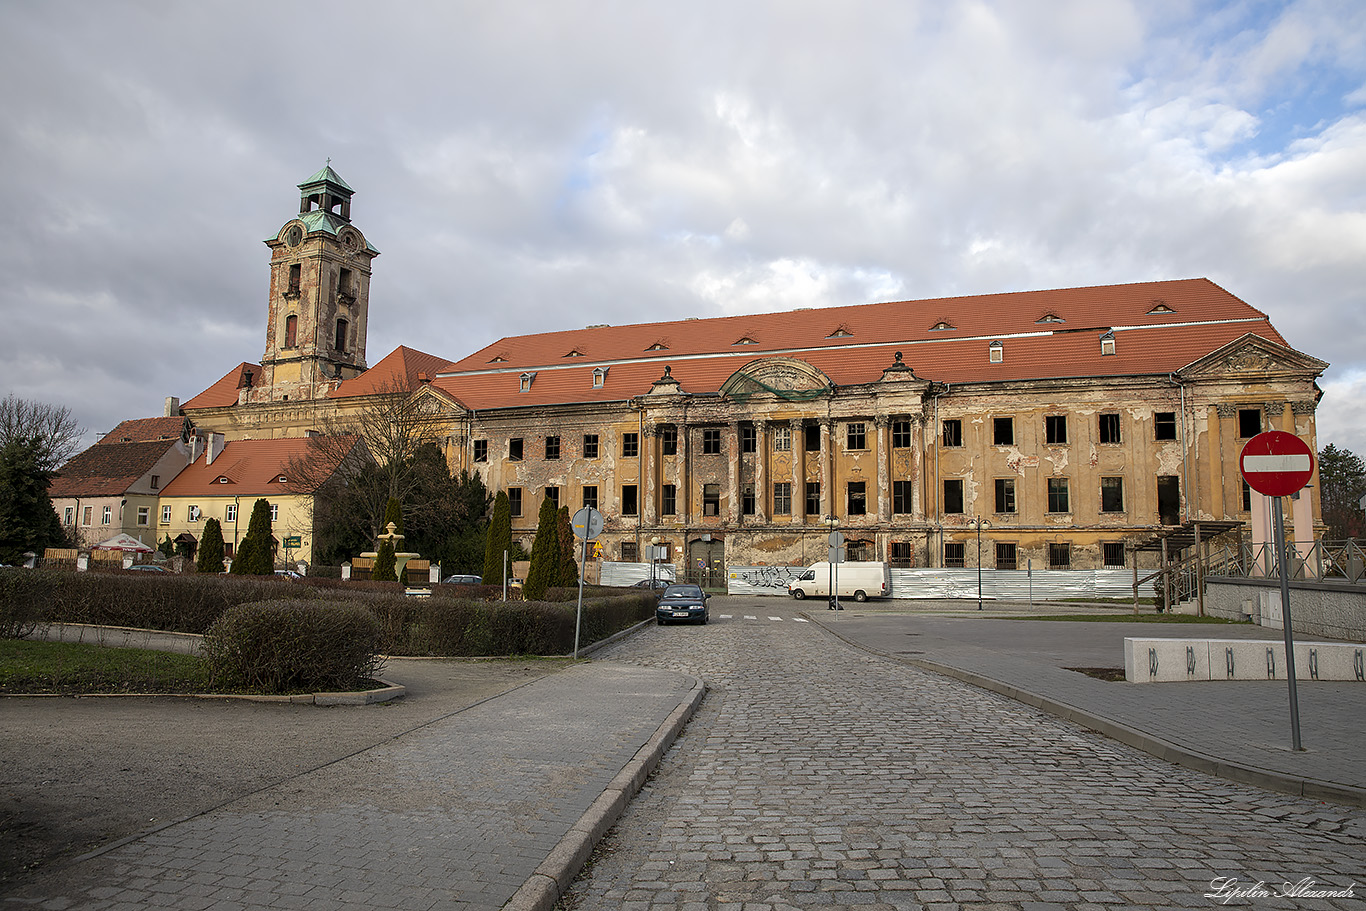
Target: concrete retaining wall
x=1316 y=608
x=1174 y=660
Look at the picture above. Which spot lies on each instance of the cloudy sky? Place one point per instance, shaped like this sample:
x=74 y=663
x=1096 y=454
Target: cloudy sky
x=528 y=166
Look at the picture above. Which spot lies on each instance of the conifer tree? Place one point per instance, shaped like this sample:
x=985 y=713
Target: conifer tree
x=256 y=554
x=384 y=563
x=570 y=550
x=499 y=539
x=545 y=553
x=393 y=512
x=210 y=559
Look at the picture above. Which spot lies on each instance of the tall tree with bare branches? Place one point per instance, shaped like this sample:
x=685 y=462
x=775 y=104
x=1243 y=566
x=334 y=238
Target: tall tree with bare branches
x=49 y=429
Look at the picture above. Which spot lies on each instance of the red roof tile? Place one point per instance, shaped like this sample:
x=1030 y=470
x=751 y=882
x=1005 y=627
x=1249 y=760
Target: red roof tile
x=401 y=369
x=108 y=469
x=224 y=392
x=249 y=468
x=142 y=430
x=1193 y=318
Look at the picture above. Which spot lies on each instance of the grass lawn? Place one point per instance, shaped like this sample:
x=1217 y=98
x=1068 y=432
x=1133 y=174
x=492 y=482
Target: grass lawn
x=71 y=668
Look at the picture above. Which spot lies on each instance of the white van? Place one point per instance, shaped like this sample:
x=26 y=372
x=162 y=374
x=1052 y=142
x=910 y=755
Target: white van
x=859 y=581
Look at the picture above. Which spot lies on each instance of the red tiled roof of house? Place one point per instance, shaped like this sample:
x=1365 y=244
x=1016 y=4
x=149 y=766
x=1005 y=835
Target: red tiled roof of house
x=108 y=469
x=142 y=430
x=224 y=392
x=249 y=468
x=401 y=369
x=1159 y=328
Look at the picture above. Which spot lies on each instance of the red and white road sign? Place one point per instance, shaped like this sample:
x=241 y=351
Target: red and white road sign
x=1276 y=463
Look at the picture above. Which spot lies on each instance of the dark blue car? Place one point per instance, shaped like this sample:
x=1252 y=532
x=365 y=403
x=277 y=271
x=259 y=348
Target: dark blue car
x=682 y=603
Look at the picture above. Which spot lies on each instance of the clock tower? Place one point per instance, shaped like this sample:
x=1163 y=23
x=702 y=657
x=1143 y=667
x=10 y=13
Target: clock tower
x=319 y=296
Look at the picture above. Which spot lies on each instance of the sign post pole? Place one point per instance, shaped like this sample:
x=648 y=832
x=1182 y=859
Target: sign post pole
x=587 y=524
x=1276 y=464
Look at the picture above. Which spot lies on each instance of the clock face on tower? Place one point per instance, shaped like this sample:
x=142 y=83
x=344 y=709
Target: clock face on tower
x=294 y=236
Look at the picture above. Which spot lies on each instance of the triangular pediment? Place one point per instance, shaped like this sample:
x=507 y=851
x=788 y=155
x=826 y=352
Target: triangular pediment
x=784 y=377
x=1253 y=356
x=431 y=400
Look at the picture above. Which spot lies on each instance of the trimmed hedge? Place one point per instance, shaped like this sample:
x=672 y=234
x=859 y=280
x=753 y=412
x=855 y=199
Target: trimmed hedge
x=294 y=646
x=454 y=620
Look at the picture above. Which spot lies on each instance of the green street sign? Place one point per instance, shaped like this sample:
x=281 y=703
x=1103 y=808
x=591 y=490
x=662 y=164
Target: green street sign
x=294 y=541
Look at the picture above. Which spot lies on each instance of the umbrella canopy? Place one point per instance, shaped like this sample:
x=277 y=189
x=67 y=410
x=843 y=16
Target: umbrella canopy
x=126 y=543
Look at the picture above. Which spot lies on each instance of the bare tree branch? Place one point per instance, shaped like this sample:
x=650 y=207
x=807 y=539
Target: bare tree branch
x=51 y=426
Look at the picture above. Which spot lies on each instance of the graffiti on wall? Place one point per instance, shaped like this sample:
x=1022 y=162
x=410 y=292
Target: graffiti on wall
x=761 y=580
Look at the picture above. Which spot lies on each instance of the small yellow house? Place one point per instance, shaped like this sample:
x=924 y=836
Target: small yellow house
x=225 y=483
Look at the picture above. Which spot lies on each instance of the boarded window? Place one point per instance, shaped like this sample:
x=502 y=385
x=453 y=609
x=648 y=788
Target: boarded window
x=291 y=331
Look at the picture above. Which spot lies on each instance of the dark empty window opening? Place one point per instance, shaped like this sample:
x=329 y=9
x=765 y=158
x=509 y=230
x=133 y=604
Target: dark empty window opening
x=514 y=501
x=1164 y=425
x=1169 y=499
x=953 y=432
x=668 y=500
x=630 y=445
x=1059 y=556
x=903 y=494
x=553 y=495
x=295 y=276
x=552 y=447
x=1247 y=497
x=590 y=445
x=1249 y=422
x=339 y=341
x=1057 y=495
x=629 y=500
x=291 y=331
x=901 y=435
x=749 y=439
x=1109 y=428
x=344 y=286
x=1003 y=431
x=590 y=495
x=711 y=441
x=811 y=436
x=1113 y=555
x=515 y=449
x=1005 y=495
x=1055 y=429
x=901 y=554
x=481 y=450
x=813 y=498
x=747 y=500
x=953 y=556
x=953 y=496
x=668 y=440
x=711 y=499
x=858 y=498
x=782 y=498
x=1111 y=494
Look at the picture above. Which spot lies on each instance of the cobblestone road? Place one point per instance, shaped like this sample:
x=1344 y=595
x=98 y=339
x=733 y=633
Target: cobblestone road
x=817 y=776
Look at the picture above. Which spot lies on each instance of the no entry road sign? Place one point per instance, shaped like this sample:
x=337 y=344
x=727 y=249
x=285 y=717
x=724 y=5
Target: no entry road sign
x=1276 y=463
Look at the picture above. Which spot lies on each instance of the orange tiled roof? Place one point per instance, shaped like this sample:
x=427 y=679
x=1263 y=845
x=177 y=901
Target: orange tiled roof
x=108 y=469
x=142 y=430
x=224 y=392
x=1159 y=328
x=402 y=368
x=248 y=468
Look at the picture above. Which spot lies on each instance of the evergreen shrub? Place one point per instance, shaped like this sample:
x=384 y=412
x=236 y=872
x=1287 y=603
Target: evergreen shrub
x=294 y=646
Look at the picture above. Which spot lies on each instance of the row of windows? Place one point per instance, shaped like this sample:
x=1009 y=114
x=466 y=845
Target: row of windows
x=1109 y=430
x=1059 y=495
x=192 y=514
x=292 y=333
x=1007 y=555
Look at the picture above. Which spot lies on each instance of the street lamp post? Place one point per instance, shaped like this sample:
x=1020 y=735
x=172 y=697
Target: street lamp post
x=978 y=523
x=654 y=555
x=832 y=554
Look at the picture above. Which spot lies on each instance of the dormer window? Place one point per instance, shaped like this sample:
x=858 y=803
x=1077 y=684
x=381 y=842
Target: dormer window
x=1107 y=343
x=599 y=377
x=1050 y=317
x=498 y=359
x=840 y=332
x=996 y=353
x=527 y=379
x=658 y=346
x=222 y=479
x=282 y=480
x=744 y=340
x=575 y=353
x=1160 y=306
x=943 y=326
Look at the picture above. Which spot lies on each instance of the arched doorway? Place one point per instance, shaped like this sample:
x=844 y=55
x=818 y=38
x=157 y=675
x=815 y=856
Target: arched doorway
x=707 y=562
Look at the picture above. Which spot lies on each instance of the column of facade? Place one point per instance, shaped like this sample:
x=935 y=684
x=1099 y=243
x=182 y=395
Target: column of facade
x=760 y=471
x=917 y=468
x=827 y=467
x=1223 y=418
x=649 y=482
x=798 y=444
x=884 y=478
x=733 y=511
x=684 y=485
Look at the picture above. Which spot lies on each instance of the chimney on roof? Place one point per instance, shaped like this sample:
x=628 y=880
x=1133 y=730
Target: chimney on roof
x=172 y=407
x=213 y=448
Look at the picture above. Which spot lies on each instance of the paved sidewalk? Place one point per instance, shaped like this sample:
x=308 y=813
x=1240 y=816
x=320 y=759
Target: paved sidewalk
x=1237 y=730
x=495 y=806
